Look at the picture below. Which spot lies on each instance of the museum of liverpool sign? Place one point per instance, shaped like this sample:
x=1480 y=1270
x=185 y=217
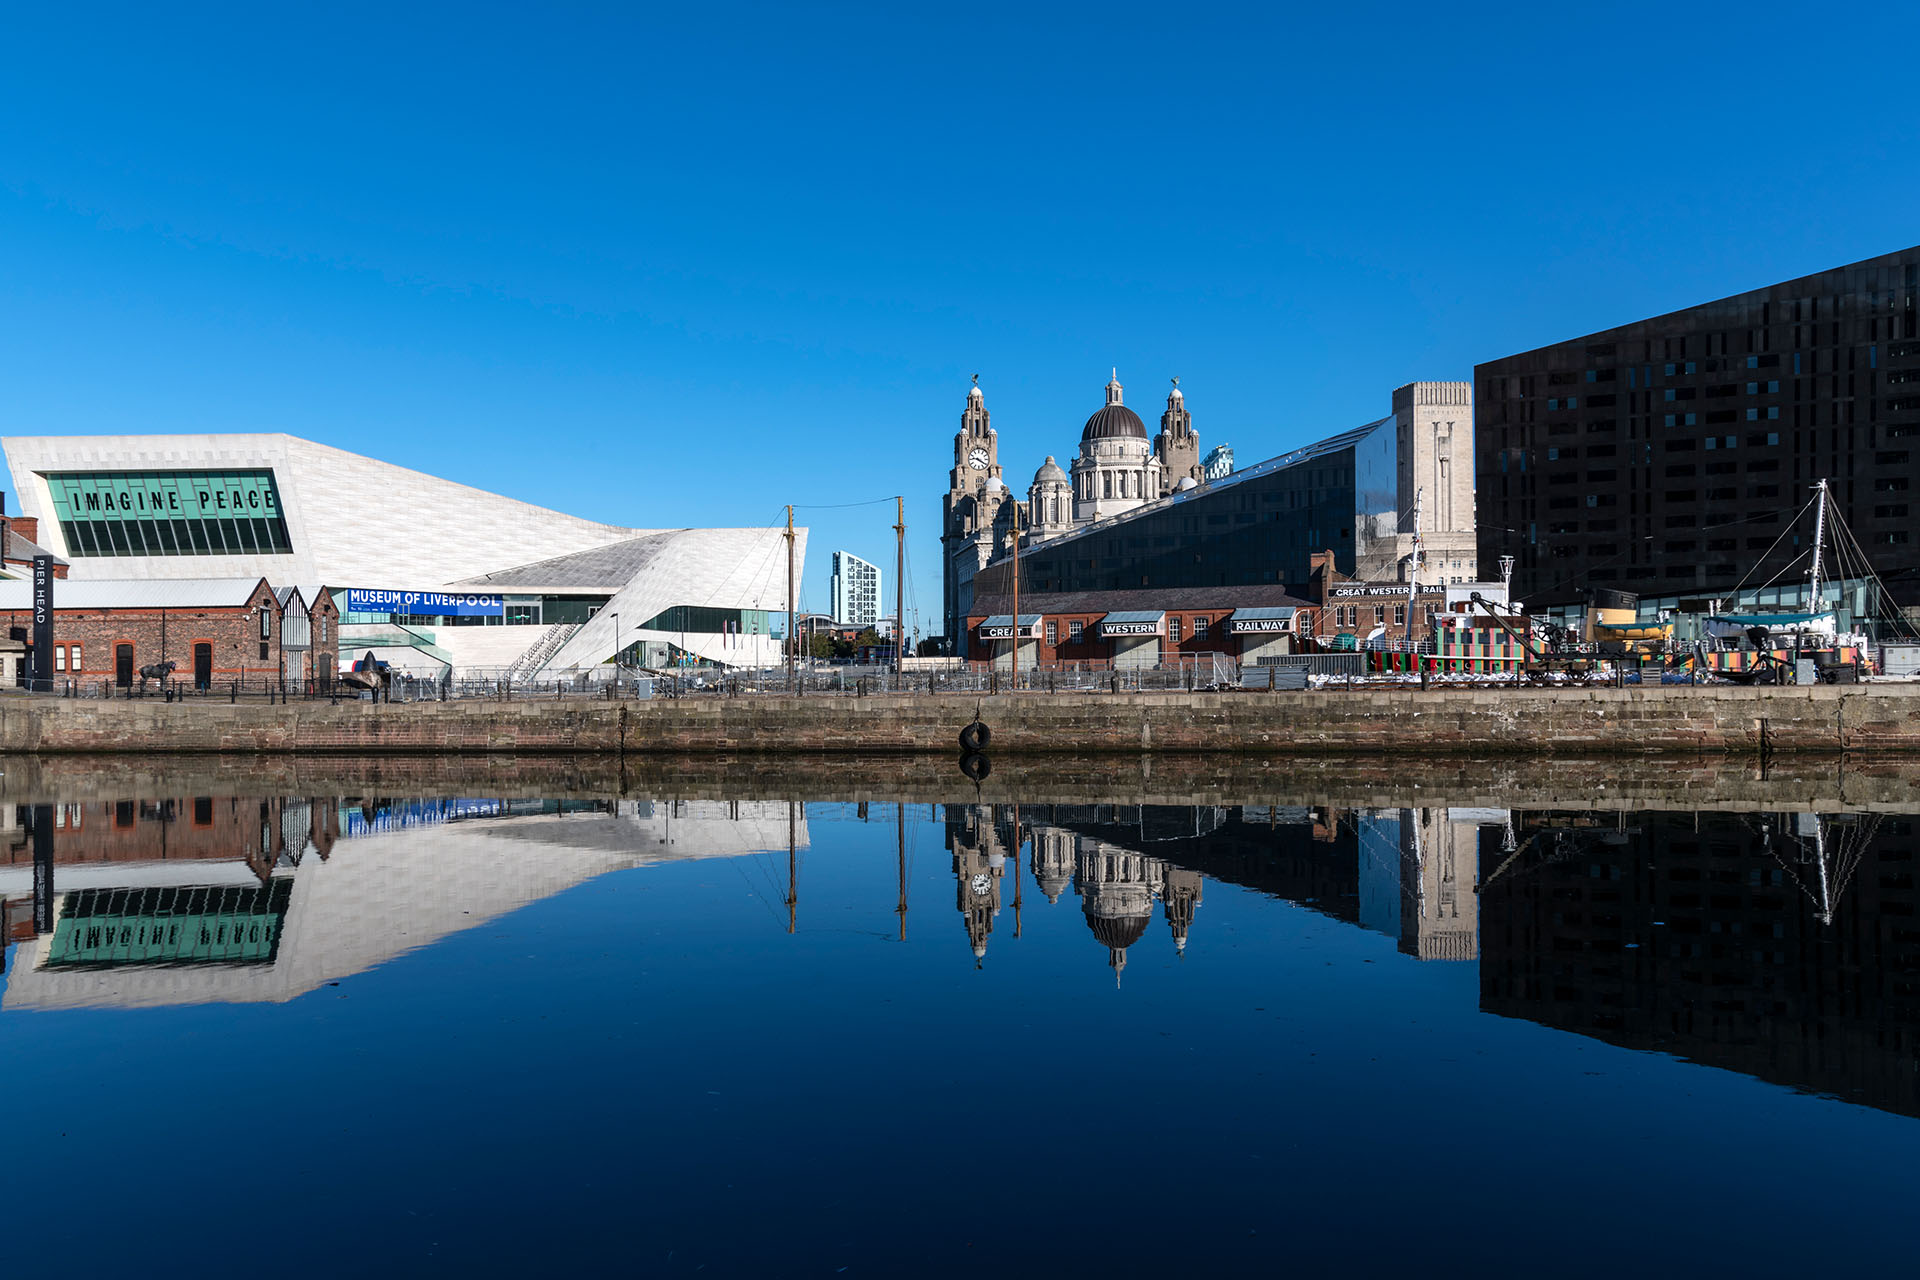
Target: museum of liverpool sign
x=429 y=604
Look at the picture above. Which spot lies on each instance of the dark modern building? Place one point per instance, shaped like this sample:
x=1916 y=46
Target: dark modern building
x=1670 y=456
x=1721 y=938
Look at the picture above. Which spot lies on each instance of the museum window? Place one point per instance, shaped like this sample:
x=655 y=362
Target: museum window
x=59 y=657
x=1173 y=630
x=76 y=658
x=1053 y=634
x=1076 y=632
x=1200 y=629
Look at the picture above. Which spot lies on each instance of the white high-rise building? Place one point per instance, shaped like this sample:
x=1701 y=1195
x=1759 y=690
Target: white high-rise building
x=856 y=591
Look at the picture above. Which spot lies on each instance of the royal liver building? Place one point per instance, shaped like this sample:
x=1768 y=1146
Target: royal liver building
x=1117 y=469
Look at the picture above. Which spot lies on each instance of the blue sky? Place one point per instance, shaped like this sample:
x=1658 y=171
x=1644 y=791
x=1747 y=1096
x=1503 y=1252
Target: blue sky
x=682 y=266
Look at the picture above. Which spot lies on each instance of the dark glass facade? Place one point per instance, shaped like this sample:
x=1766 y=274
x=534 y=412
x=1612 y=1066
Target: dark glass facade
x=1671 y=456
x=1258 y=526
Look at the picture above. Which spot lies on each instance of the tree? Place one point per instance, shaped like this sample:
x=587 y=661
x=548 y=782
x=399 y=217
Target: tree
x=821 y=646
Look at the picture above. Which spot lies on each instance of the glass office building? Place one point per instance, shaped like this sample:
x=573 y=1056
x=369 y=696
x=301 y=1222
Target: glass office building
x=1258 y=525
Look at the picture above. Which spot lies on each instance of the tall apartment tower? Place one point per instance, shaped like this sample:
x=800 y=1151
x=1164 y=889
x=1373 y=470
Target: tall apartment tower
x=1675 y=456
x=855 y=590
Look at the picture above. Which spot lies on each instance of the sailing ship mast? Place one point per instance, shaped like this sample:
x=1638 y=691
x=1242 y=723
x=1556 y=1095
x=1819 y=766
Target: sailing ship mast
x=1819 y=543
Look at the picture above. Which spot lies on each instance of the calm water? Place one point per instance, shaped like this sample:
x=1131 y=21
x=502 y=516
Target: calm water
x=342 y=1036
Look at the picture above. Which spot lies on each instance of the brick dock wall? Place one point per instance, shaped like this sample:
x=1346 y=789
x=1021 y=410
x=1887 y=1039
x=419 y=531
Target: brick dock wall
x=1657 y=720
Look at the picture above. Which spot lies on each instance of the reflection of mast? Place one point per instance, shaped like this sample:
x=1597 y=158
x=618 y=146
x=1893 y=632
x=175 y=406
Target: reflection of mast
x=1833 y=865
x=900 y=844
x=793 y=879
x=1016 y=864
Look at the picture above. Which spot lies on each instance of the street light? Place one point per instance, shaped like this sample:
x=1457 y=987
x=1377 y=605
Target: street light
x=616 y=651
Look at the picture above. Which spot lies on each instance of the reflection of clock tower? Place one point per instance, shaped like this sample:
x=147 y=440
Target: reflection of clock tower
x=974 y=494
x=979 y=864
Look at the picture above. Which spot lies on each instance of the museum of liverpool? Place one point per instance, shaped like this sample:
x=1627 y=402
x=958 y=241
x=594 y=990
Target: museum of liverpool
x=434 y=577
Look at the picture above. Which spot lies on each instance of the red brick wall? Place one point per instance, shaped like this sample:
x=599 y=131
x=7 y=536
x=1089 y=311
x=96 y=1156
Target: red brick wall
x=323 y=659
x=161 y=634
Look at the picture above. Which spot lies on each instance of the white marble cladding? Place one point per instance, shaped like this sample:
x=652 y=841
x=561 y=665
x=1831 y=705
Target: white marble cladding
x=353 y=521
x=715 y=568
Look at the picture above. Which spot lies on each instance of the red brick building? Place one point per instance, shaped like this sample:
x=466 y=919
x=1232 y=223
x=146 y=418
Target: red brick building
x=1139 y=628
x=215 y=630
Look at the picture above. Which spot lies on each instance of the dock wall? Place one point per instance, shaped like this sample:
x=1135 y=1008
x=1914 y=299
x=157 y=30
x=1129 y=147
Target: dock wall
x=1657 y=720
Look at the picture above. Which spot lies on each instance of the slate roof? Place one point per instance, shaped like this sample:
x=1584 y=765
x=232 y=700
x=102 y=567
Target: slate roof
x=134 y=593
x=1169 y=599
x=605 y=568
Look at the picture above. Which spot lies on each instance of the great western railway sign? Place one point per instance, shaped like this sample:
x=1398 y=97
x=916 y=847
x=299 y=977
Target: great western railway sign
x=1377 y=590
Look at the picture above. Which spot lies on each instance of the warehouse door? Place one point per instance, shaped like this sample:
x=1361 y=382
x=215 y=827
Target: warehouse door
x=123 y=665
x=202 y=666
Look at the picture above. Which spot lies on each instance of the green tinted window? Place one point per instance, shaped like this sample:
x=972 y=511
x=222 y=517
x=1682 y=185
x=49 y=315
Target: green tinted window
x=169 y=513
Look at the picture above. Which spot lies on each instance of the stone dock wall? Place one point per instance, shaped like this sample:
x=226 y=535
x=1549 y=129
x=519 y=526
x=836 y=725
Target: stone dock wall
x=1669 y=720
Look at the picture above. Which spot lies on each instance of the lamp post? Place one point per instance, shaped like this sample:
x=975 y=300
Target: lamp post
x=616 y=651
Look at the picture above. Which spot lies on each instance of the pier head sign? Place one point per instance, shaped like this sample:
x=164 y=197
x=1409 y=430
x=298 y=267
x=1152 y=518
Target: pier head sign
x=424 y=603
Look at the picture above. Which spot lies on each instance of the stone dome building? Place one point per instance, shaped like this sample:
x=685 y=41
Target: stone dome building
x=1115 y=470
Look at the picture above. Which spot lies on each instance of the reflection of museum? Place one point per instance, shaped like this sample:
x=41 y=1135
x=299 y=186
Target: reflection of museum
x=196 y=899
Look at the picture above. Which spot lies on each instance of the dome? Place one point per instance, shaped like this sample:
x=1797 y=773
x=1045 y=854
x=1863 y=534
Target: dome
x=1050 y=470
x=1114 y=422
x=996 y=485
x=1186 y=483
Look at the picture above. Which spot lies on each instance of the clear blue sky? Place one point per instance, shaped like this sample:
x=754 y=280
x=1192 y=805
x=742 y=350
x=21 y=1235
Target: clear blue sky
x=682 y=265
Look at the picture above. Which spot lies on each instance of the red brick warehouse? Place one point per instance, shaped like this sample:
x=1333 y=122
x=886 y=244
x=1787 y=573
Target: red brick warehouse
x=214 y=630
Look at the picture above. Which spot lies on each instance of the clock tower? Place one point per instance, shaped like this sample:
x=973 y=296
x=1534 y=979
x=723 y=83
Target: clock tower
x=975 y=493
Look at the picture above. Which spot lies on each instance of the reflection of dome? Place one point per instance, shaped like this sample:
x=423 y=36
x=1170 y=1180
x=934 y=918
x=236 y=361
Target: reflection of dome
x=1186 y=483
x=1114 y=422
x=1050 y=470
x=1117 y=932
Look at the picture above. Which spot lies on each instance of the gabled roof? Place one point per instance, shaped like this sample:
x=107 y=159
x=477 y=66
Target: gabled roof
x=19 y=548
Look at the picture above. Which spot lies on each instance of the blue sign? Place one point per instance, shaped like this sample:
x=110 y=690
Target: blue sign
x=424 y=603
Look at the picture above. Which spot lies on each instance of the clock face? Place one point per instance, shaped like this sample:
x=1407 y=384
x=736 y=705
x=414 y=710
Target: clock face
x=977 y=459
x=981 y=886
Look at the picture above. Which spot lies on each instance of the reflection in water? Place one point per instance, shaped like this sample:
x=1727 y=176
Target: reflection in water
x=191 y=900
x=1781 y=945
